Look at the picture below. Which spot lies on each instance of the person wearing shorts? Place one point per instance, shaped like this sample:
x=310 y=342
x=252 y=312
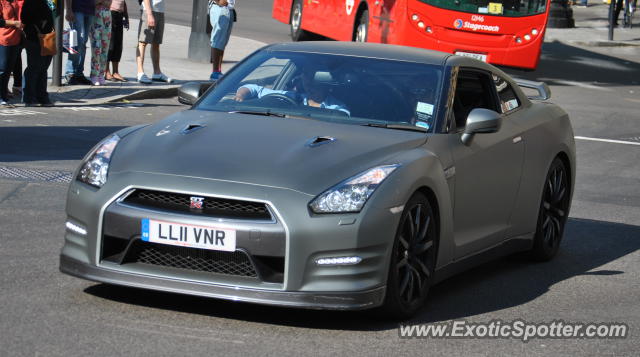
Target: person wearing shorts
x=221 y=16
x=150 y=32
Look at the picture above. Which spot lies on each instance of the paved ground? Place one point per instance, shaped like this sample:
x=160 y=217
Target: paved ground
x=593 y=279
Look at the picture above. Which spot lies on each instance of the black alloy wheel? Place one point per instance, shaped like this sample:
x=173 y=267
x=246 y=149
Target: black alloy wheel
x=554 y=210
x=413 y=259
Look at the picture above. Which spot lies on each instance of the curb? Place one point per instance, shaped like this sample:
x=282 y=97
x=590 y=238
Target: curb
x=153 y=93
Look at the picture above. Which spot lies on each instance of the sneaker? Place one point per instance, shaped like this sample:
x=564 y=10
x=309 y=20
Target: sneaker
x=95 y=81
x=142 y=78
x=84 y=80
x=161 y=77
x=6 y=105
x=78 y=80
x=102 y=81
x=215 y=76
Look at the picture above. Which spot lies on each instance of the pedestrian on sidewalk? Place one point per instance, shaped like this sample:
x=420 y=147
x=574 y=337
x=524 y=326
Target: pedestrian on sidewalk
x=150 y=31
x=37 y=17
x=80 y=15
x=16 y=91
x=119 y=21
x=10 y=35
x=222 y=16
x=100 y=38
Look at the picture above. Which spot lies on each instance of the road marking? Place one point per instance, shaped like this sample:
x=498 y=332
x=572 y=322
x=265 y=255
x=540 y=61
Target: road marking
x=607 y=140
x=11 y=112
x=576 y=84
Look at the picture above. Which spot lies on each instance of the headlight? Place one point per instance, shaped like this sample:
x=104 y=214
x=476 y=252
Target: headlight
x=94 y=168
x=351 y=194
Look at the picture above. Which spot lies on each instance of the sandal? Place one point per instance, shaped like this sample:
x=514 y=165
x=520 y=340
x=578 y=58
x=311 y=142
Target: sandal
x=118 y=77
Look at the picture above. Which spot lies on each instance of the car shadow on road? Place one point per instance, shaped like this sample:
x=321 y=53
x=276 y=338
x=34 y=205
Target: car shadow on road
x=37 y=143
x=560 y=62
x=504 y=283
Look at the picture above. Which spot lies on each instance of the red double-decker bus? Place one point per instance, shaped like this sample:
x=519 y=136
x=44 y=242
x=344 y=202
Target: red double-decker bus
x=502 y=32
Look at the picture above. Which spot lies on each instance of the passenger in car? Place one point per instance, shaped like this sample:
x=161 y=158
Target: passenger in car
x=313 y=92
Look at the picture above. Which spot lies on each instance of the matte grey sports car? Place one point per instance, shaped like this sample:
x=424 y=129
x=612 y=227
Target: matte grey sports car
x=326 y=175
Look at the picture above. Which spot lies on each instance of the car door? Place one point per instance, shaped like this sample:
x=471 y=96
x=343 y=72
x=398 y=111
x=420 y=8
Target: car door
x=487 y=171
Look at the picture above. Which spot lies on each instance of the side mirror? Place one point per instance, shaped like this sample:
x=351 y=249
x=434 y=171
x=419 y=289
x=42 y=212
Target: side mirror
x=189 y=92
x=481 y=121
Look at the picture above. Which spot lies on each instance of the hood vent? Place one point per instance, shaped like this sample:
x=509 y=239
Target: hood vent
x=319 y=140
x=191 y=128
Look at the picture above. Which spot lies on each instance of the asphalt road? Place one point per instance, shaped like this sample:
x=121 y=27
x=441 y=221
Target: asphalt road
x=594 y=278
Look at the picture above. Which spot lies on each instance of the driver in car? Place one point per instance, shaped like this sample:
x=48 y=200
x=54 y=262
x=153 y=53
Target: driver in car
x=312 y=93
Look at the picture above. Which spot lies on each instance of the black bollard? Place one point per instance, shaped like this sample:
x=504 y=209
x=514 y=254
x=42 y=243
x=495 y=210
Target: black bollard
x=56 y=70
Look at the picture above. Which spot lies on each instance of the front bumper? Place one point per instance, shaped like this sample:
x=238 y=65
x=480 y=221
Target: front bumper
x=296 y=236
x=311 y=300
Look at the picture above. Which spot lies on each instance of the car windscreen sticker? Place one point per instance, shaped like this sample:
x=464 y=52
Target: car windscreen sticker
x=422 y=124
x=512 y=104
x=425 y=108
x=424 y=111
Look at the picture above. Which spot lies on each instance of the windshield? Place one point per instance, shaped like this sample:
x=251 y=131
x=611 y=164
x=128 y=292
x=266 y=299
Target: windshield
x=512 y=8
x=351 y=90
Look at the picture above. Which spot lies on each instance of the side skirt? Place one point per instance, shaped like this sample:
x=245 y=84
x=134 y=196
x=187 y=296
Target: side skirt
x=510 y=246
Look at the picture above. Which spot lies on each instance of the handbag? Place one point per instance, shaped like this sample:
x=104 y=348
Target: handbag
x=48 y=46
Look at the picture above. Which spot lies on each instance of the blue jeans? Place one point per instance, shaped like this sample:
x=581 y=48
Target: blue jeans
x=75 y=62
x=35 y=75
x=8 y=56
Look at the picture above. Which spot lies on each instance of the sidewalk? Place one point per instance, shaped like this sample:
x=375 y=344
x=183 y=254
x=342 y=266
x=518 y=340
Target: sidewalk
x=173 y=62
x=592 y=28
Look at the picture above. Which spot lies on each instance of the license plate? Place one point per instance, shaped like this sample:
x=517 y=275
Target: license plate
x=189 y=235
x=477 y=56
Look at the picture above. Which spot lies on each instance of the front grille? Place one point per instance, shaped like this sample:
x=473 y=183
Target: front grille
x=212 y=206
x=229 y=263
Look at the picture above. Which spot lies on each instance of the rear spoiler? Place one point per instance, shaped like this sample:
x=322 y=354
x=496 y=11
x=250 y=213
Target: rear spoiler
x=544 y=92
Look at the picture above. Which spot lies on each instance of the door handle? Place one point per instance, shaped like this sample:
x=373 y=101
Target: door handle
x=517 y=139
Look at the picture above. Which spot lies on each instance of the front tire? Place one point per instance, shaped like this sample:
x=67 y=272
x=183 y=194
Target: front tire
x=413 y=259
x=297 y=33
x=553 y=212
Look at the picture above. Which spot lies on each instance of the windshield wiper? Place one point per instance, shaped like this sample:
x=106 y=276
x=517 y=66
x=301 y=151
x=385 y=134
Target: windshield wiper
x=397 y=127
x=266 y=113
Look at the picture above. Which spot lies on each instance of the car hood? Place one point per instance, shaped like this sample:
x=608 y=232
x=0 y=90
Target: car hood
x=259 y=150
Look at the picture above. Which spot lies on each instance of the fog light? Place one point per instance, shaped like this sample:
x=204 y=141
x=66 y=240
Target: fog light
x=421 y=24
x=534 y=32
x=429 y=29
x=527 y=37
x=76 y=228
x=339 y=261
x=415 y=17
x=518 y=40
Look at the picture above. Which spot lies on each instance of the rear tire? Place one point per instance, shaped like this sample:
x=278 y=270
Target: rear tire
x=553 y=212
x=361 y=31
x=297 y=33
x=413 y=260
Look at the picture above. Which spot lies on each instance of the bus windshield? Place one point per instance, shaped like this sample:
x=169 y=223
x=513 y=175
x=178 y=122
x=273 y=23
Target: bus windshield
x=509 y=8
